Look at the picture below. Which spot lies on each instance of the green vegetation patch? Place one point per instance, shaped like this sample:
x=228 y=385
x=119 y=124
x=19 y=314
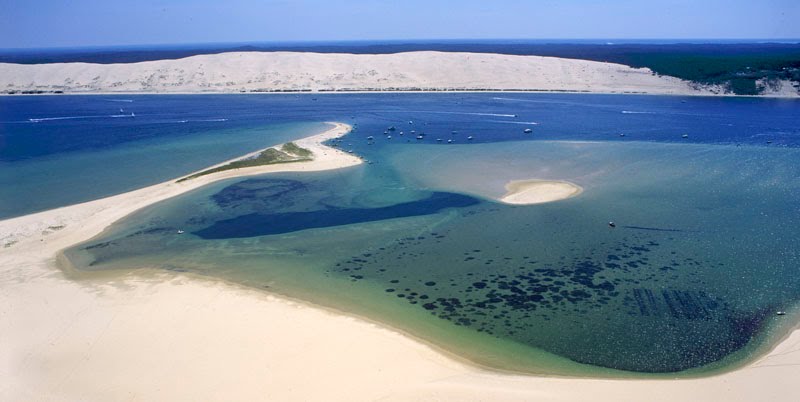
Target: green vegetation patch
x=288 y=153
x=736 y=72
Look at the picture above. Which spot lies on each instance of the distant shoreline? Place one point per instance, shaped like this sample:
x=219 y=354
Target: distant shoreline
x=424 y=91
x=301 y=72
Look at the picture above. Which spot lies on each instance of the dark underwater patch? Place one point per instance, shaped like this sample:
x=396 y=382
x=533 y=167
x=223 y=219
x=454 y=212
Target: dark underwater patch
x=262 y=224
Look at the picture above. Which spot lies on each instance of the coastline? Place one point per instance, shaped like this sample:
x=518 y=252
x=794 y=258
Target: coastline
x=430 y=91
x=65 y=335
x=300 y=72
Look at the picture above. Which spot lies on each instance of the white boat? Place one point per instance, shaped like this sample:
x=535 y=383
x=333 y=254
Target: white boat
x=181 y=231
x=469 y=138
x=527 y=131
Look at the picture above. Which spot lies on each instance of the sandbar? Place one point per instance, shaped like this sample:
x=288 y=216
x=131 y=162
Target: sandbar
x=533 y=191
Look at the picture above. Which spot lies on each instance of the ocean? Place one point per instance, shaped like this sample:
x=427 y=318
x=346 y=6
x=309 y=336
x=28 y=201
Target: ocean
x=702 y=190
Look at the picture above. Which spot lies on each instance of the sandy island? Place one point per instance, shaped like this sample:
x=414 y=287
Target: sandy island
x=153 y=336
x=526 y=192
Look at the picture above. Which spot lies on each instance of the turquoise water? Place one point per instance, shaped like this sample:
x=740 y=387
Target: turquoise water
x=702 y=256
x=61 y=150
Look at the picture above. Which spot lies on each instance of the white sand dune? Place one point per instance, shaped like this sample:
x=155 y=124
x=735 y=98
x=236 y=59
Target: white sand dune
x=300 y=71
x=155 y=336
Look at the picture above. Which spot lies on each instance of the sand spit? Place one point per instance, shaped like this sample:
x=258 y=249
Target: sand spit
x=310 y=72
x=154 y=336
x=526 y=192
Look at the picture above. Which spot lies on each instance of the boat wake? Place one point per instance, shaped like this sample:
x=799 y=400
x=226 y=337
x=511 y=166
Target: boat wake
x=527 y=123
x=42 y=119
x=446 y=112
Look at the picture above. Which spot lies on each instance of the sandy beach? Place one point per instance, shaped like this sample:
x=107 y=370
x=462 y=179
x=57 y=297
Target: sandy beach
x=246 y=72
x=152 y=335
x=528 y=192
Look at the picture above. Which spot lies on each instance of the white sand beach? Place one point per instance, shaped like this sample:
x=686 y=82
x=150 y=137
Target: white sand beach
x=303 y=71
x=527 y=192
x=153 y=336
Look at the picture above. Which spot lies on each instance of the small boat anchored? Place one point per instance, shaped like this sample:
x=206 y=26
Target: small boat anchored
x=527 y=131
x=180 y=231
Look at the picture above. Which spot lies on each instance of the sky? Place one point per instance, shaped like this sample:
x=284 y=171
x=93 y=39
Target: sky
x=78 y=23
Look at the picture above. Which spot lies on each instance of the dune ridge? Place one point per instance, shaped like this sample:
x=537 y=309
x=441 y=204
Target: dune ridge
x=237 y=72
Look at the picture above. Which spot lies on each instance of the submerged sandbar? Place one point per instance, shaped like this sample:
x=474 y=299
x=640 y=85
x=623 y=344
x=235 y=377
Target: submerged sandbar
x=534 y=191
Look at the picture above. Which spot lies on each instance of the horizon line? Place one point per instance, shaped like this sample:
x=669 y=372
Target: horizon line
x=608 y=41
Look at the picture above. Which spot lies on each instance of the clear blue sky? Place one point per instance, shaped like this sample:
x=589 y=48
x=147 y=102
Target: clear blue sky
x=59 y=23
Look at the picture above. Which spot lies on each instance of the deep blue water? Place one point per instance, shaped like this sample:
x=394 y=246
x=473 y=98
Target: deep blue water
x=51 y=147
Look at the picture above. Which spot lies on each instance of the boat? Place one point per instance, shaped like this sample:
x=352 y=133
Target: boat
x=527 y=131
x=685 y=136
x=621 y=134
x=133 y=114
x=449 y=141
x=370 y=138
x=612 y=224
x=781 y=313
x=454 y=132
x=469 y=138
x=181 y=231
x=419 y=137
x=392 y=128
x=388 y=137
x=438 y=140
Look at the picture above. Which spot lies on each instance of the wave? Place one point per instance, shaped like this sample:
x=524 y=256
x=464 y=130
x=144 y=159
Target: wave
x=637 y=112
x=183 y=121
x=120 y=100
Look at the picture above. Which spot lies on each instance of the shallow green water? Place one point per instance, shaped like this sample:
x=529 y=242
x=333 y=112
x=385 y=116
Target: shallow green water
x=703 y=254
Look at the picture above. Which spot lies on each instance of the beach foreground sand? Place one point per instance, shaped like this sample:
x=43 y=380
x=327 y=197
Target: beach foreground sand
x=152 y=335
